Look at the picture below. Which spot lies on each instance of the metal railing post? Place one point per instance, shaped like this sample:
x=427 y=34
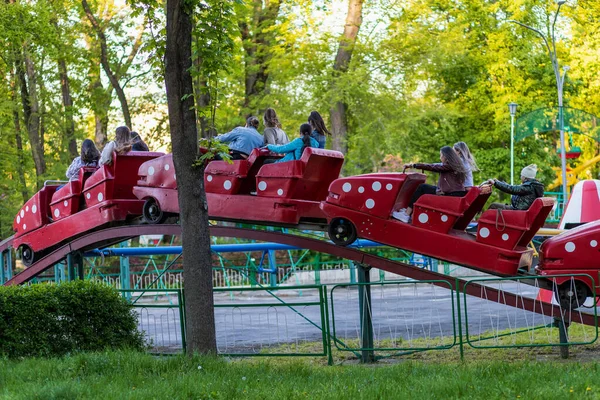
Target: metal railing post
x=366 y=321
x=2 y=272
x=124 y=273
x=460 y=335
x=352 y=272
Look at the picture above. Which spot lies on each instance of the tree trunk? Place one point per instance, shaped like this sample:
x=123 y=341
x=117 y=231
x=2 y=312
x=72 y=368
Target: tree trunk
x=68 y=105
x=339 y=124
x=112 y=77
x=19 y=145
x=31 y=113
x=257 y=37
x=197 y=265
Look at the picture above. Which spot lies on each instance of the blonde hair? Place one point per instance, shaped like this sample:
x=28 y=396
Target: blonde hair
x=465 y=154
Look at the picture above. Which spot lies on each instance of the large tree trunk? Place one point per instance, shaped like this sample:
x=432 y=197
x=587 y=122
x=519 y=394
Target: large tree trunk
x=31 y=112
x=197 y=265
x=68 y=105
x=339 y=124
x=257 y=37
x=112 y=77
x=19 y=145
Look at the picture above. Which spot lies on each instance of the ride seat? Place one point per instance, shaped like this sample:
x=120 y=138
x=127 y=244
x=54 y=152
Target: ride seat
x=67 y=200
x=116 y=181
x=511 y=228
x=225 y=178
x=442 y=213
x=34 y=212
x=305 y=179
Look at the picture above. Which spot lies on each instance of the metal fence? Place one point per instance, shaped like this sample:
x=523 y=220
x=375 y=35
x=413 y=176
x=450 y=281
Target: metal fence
x=370 y=320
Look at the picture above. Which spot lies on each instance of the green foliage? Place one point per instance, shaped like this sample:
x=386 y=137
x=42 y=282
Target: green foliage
x=211 y=149
x=139 y=376
x=53 y=320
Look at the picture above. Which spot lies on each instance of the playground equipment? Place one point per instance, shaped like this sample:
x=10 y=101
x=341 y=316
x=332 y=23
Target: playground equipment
x=291 y=194
x=99 y=197
x=283 y=194
x=583 y=205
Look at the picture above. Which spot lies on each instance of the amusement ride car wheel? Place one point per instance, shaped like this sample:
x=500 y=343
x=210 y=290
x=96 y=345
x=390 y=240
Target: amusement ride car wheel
x=571 y=294
x=342 y=232
x=27 y=255
x=152 y=212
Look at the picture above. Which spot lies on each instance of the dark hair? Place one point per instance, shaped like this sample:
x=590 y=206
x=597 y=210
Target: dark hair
x=252 y=122
x=454 y=161
x=89 y=152
x=316 y=121
x=138 y=143
x=122 y=140
x=270 y=119
x=305 y=130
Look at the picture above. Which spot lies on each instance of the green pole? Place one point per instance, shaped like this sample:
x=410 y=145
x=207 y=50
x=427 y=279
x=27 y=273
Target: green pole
x=2 y=273
x=317 y=269
x=125 y=273
x=512 y=108
x=71 y=266
x=352 y=272
x=9 y=264
x=460 y=336
x=366 y=322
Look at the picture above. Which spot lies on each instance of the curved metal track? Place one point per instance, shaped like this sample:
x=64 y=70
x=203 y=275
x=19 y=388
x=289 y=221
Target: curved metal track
x=112 y=235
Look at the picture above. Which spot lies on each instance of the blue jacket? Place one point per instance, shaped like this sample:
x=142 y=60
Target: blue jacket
x=322 y=139
x=242 y=139
x=292 y=150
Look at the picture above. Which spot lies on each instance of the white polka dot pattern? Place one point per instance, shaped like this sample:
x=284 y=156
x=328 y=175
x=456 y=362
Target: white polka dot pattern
x=484 y=232
x=346 y=187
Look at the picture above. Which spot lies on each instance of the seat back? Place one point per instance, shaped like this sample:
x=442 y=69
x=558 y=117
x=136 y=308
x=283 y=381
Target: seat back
x=65 y=200
x=116 y=181
x=158 y=173
x=442 y=213
x=511 y=228
x=225 y=178
x=34 y=213
x=305 y=179
x=476 y=206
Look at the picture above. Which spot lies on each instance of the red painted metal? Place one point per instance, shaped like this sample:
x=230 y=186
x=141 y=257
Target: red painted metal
x=248 y=190
x=106 y=193
x=576 y=251
x=113 y=234
x=367 y=201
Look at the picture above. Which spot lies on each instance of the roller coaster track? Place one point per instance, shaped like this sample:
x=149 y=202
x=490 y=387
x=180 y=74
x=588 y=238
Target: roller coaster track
x=113 y=235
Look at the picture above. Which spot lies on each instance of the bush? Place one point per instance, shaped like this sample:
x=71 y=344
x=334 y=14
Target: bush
x=53 y=320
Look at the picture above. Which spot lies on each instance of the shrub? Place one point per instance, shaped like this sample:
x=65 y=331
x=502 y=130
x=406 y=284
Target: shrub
x=53 y=320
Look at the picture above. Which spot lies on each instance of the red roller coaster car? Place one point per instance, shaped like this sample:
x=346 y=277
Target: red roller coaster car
x=576 y=251
x=361 y=206
x=285 y=194
x=100 y=196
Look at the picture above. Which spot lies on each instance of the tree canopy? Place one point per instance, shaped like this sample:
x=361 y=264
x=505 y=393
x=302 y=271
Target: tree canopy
x=423 y=74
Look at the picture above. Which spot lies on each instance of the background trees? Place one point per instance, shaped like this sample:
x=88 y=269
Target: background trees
x=423 y=73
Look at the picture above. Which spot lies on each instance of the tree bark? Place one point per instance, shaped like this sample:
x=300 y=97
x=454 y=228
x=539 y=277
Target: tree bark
x=337 y=113
x=68 y=105
x=257 y=37
x=19 y=145
x=197 y=265
x=29 y=98
x=112 y=77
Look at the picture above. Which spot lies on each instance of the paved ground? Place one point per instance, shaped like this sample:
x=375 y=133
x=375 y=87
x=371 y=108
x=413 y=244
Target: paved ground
x=403 y=316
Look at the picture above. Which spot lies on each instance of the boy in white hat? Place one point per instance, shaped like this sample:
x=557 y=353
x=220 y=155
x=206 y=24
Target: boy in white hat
x=522 y=195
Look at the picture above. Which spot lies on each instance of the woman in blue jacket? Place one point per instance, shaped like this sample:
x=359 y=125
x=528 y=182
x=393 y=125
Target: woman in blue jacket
x=294 y=149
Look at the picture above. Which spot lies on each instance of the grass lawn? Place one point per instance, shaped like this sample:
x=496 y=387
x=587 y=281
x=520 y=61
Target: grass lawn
x=130 y=375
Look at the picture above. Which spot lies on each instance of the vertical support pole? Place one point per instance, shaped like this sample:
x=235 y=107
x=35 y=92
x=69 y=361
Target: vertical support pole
x=9 y=264
x=352 y=272
x=125 y=274
x=459 y=323
x=512 y=149
x=366 y=321
x=57 y=273
x=71 y=266
x=2 y=271
x=273 y=267
x=78 y=259
x=317 y=269
x=563 y=335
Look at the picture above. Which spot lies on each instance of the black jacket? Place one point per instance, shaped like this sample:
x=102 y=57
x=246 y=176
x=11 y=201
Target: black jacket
x=523 y=195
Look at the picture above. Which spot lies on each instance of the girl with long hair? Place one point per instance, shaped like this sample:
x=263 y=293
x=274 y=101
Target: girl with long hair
x=318 y=128
x=121 y=145
x=468 y=160
x=451 y=182
x=273 y=133
x=294 y=149
x=88 y=158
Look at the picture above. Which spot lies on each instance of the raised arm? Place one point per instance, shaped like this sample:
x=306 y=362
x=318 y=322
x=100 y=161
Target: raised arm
x=439 y=167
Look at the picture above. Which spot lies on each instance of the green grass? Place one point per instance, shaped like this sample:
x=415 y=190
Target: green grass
x=130 y=375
